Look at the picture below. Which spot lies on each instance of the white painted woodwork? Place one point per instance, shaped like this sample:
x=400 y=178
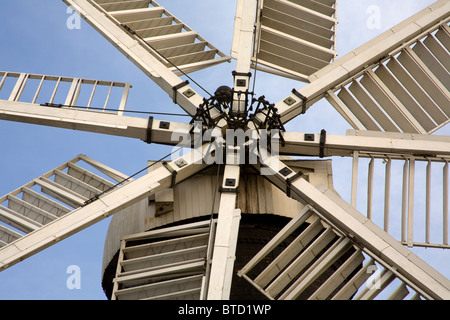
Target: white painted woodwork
x=352 y=64
x=30 y=207
x=377 y=144
x=294 y=38
x=67 y=97
x=108 y=22
x=166 y=263
x=84 y=216
x=90 y=121
x=225 y=242
x=342 y=216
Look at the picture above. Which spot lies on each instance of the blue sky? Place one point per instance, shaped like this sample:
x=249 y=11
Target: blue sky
x=35 y=39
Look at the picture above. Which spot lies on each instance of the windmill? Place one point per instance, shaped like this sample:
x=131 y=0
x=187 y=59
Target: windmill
x=411 y=58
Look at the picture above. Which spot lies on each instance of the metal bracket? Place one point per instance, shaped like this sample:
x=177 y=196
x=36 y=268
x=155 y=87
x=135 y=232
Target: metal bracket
x=323 y=136
x=290 y=180
x=172 y=171
x=148 y=139
x=304 y=99
x=176 y=88
x=229 y=190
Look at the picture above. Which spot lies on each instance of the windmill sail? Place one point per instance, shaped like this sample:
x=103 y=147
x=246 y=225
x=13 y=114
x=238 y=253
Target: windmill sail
x=354 y=229
x=84 y=198
x=79 y=104
x=406 y=92
x=419 y=106
x=168 y=263
x=294 y=38
x=155 y=41
x=52 y=196
x=322 y=264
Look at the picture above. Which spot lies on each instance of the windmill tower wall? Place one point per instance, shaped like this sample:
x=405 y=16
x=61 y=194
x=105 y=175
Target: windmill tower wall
x=192 y=200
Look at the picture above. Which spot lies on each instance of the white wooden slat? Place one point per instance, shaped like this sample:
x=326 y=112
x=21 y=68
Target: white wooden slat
x=390 y=104
x=426 y=79
x=18 y=88
x=282 y=260
x=164 y=258
x=291 y=55
x=171 y=270
x=162 y=287
x=110 y=172
x=330 y=3
x=77 y=186
x=194 y=57
x=189 y=294
x=416 y=91
x=443 y=35
x=445 y=204
x=344 y=111
x=427 y=202
x=125 y=5
x=18 y=221
x=285 y=63
x=372 y=108
x=299 y=23
x=165 y=246
x=316 y=6
x=339 y=277
x=387 y=194
x=359 y=112
x=172 y=40
x=370 y=188
x=438 y=50
x=400 y=293
x=8 y=235
x=436 y=68
x=405 y=98
x=141 y=25
x=147 y=34
x=38 y=90
x=128 y=16
x=293 y=224
x=88 y=177
x=44 y=203
x=294 y=44
x=283 y=279
x=370 y=292
x=296 y=32
x=28 y=210
x=59 y=192
x=317 y=268
x=411 y=180
x=353 y=285
x=301 y=12
x=354 y=188
x=404 y=201
x=183 y=49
